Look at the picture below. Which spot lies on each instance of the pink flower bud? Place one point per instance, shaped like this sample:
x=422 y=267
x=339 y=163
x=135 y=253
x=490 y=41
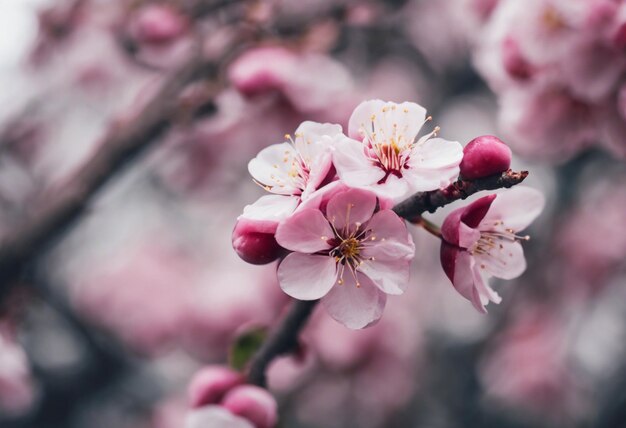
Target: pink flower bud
x=211 y=384
x=253 y=403
x=157 y=24
x=483 y=156
x=514 y=61
x=619 y=38
x=254 y=244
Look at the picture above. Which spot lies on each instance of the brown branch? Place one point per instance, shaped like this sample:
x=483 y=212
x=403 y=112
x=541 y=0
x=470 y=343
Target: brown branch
x=65 y=204
x=422 y=202
x=283 y=340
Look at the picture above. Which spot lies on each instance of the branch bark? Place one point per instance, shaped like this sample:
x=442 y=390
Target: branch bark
x=422 y=202
x=283 y=340
x=64 y=204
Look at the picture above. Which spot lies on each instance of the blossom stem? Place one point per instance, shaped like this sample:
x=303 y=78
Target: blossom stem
x=430 y=201
x=429 y=226
x=283 y=340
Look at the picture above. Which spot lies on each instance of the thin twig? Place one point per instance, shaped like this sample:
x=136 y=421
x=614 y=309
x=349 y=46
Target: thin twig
x=422 y=202
x=283 y=340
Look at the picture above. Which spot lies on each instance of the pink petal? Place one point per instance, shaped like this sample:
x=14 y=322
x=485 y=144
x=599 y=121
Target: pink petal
x=458 y=266
x=391 y=276
x=307 y=277
x=306 y=231
x=350 y=207
x=352 y=165
x=392 y=239
x=506 y=260
x=255 y=404
x=355 y=307
x=456 y=227
x=210 y=384
x=516 y=208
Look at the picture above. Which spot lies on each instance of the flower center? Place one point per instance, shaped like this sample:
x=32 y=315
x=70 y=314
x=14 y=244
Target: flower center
x=390 y=151
x=349 y=248
x=492 y=239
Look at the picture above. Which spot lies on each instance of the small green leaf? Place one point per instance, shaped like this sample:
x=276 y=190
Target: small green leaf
x=245 y=346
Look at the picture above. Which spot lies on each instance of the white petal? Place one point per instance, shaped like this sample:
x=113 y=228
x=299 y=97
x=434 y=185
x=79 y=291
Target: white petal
x=516 y=208
x=387 y=119
x=271 y=168
x=271 y=207
x=392 y=277
x=307 y=277
x=352 y=165
x=355 y=307
x=506 y=260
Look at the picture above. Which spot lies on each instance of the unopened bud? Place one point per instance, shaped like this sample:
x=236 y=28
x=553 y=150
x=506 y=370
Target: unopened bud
x=211 y=384
x=254 y=404
x=514 y=61
x=483 y=156
x=157 y=24
x=254 y=244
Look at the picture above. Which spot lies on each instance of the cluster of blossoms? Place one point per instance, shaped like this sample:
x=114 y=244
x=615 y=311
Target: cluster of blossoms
x=330 y=219
x=558 y=68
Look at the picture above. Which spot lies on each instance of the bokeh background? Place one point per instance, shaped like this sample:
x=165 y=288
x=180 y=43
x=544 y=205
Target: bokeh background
x=108 y=323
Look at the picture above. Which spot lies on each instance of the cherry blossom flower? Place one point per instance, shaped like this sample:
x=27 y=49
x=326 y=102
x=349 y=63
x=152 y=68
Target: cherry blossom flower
x=481 y=240
x=388 y=158
x=348 y=255
x=298 y=166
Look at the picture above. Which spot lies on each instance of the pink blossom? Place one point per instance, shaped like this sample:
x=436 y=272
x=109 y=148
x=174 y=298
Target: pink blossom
x=310 y=82
x=481 y=240
x=16 y=389
x=298 y=166
x=157 y=24
x=348 y=255
x=483 y=156
x=556 y=66
x=385 y=155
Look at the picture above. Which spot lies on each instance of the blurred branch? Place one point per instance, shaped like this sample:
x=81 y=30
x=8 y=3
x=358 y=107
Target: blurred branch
x=283 y=340
x=66 y=203
x=419 y=203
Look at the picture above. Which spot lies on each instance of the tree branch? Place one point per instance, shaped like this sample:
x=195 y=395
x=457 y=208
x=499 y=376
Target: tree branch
x=66 y=203
x=419 y=203
x=283 y=340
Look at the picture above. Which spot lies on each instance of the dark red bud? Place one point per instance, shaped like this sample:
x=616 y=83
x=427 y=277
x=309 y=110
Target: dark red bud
x=484 y=156
x=514 y=61
x=253 y=246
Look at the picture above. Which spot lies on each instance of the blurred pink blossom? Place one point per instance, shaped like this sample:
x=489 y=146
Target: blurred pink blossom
x=16 y=389
x=557 y=67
